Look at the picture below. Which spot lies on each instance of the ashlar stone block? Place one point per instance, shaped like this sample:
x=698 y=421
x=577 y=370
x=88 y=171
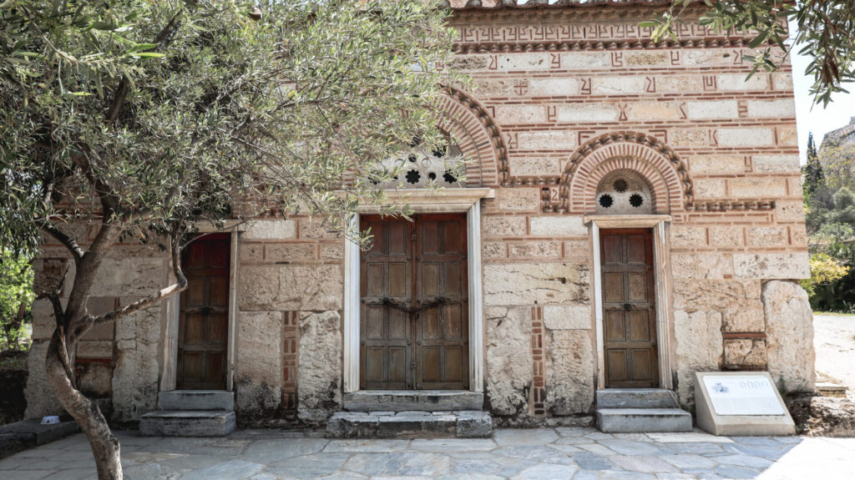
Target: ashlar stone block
x=527 y=284
x=789 y=336
x=503 y=226
x=699 y=347
x=701 y=265
x=509 y=361
x=290 y=287
x=745 y=352
x=569 y=372
x=259 y=369
x=558 y=226
x=779 y=266
x=568 y=317
x=320 y=358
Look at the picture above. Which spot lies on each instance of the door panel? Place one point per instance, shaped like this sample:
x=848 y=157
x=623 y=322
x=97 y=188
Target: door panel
x=414 y=318
x=630 y=309
x=203 y=314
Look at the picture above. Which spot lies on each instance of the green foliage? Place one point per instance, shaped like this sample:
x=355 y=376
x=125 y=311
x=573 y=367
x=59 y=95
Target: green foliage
x=813 y=176
x=824 y=34
x=824 y=270
x=16 y=295
x=160 y=114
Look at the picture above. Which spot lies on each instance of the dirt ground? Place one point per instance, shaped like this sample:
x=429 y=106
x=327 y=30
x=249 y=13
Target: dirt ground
x=834 y=340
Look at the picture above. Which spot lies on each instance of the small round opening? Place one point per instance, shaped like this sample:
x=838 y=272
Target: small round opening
x=606 y=201
x=413 y=176
x=432 y=176
x=636 y=200
x=620 y=185
x=448 y=177
x=412 y=158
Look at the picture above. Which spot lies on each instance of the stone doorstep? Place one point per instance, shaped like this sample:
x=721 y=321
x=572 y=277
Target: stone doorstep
x=188 y=423
x=19 y=436
x=831 y=389
x=636 y=398
x=414 y=424
x=643 y=420
x=413 y=400
x=196 y=400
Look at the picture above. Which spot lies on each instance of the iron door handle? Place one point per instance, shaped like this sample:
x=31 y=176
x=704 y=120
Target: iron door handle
x=627 y=307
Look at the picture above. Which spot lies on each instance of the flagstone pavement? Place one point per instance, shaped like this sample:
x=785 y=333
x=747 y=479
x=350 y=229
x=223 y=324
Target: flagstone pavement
x=550 y=453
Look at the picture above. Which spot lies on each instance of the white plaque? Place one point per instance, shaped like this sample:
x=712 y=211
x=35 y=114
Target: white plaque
x=742 y=395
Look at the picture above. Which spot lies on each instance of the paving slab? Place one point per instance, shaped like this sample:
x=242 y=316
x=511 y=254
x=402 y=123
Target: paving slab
x=523 y=454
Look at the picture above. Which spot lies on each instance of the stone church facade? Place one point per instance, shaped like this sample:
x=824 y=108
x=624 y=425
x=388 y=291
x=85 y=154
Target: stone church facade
x=632 y=213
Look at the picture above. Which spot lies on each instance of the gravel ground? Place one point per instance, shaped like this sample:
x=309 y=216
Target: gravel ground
x=834 y=339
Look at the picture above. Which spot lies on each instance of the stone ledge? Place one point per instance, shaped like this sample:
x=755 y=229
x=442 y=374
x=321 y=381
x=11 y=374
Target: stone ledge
x=636 y=398
x=462 y=424
x=196 y=400
x=643 y=420
x=19 y=436
x=413 y=400
x=198 y=423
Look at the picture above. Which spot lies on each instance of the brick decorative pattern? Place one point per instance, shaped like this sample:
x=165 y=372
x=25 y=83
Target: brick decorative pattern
x=290 y=344
x=538 y=391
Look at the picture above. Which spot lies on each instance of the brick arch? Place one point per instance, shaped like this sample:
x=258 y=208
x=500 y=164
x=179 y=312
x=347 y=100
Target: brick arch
x=477 y=135
x=666 y=173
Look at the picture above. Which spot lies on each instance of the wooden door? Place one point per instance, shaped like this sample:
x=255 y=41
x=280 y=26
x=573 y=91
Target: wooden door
x=203 y=315
x=414 y=323
x=629 y=295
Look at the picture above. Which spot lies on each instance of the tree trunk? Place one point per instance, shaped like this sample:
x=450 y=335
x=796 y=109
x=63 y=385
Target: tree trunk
x=105 y=447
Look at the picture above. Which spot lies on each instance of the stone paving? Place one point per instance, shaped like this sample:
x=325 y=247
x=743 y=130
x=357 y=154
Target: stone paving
x=542 y=454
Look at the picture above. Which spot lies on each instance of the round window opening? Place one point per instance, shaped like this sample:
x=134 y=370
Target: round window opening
x=421 y=167
x=623 y=192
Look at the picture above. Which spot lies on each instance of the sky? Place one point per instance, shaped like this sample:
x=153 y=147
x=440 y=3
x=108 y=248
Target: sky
x=813 y=118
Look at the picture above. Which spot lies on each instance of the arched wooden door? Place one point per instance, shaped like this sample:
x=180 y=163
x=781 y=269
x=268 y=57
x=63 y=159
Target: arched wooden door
x=414 y=323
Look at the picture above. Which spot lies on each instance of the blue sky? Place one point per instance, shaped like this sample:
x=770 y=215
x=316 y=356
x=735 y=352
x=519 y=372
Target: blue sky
x=813 y=118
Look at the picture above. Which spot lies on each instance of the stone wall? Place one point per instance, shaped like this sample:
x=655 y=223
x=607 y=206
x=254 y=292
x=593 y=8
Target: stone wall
x=562 y=98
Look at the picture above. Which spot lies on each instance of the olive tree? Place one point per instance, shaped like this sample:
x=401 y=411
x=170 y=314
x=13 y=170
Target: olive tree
x=146 y=118
x=823 y=33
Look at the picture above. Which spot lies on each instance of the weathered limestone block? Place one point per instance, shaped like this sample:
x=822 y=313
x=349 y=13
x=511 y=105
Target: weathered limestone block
x=745 y=319
x=710 y=188
x=757 y=187
x=132 y=276
x=271 y=229
x=558 y=226
x=789 y=211
x=332 y=251
x=699 y=347
x=789 y=336
x=535 y=249
x=726 y=236
x=746 y=137
x=777 y=266
x=319 y=382
x=578 y=251
x=494 y=250
x=527 y=166
x=290 y=252
x=291 y=287
x=701 y=265
x=509 y=363
x=316 y=228
x=251 y=252
x=258 y=375
x=781 y=108
x=683 y=236
x=776 y=163
x=545 y=283
x=519 y=199
x=569 y=372
x=745 y=352
x=40 y=398
x=135 y=379
x=717 y=164
x=768 y=236
x=715 y=294
x=567 y=317
x=503 y=226
x=48 y=273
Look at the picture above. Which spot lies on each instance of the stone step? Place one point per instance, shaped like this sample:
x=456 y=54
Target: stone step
x=187 y=423
x=196 y=400
x=636 y=398
x=413 y=400
x=643 y=420
x=413 y=424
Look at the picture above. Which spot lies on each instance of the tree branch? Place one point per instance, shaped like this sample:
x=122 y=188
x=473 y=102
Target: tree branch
x=179 y=286
x=65 y=240
x=59 y=318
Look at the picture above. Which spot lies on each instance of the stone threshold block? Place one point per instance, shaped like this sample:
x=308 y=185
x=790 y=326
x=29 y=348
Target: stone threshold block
x=643 y=420
x=636 y=398
x=411 y=401
x=196 y=400
x=188 y=423
x=19 y=436
x=414 y=424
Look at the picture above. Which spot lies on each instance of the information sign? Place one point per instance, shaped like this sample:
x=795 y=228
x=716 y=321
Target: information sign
x=743 y=395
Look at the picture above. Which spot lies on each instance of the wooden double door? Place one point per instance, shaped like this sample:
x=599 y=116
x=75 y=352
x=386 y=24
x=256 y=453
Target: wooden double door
x=414 y=322
x=204 y=314
x=629 y=301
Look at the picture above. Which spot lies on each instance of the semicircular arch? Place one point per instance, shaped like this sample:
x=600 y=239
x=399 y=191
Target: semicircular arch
x=668 y=178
